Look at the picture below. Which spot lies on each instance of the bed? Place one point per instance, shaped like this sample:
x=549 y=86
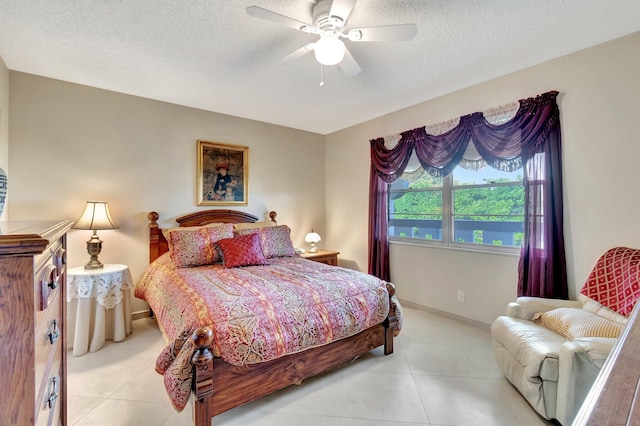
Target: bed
x=215 y=366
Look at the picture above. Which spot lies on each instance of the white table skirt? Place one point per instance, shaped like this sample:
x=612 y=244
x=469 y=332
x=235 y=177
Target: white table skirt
x=99 y=307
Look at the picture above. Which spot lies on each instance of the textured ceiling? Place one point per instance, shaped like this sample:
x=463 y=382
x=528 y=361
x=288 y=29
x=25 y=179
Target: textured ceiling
x=210 y=54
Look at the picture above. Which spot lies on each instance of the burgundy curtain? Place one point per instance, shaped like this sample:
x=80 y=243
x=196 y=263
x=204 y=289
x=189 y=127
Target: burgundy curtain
x=531 y=139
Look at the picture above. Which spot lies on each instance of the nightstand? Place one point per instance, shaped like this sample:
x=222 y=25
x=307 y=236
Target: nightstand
x=323 y=256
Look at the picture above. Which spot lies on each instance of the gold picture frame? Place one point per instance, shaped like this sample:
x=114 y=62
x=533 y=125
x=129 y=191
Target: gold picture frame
x=223 y=174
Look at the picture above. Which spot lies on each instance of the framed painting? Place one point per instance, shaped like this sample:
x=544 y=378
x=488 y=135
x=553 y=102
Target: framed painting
x=223 y=174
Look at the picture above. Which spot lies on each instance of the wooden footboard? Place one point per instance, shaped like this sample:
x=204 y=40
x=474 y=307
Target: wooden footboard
x=237 y=385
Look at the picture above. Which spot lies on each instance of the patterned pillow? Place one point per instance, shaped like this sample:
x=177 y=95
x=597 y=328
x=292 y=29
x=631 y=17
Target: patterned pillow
x=244 y=250
x=276 y=240
x=573 y=323
x=195 y=247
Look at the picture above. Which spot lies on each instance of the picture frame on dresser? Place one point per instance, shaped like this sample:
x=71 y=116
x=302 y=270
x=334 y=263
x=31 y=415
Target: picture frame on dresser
x=222 y=174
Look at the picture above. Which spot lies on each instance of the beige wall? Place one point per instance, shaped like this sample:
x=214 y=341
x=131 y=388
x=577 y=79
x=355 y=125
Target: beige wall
x=72 y=143
x=4 y=126
x=599 y=91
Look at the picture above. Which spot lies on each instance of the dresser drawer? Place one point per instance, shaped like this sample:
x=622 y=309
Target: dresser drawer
x=47 y=282
x=50 y=267
x=54 y=306
x=50 y=330
x=50 y=398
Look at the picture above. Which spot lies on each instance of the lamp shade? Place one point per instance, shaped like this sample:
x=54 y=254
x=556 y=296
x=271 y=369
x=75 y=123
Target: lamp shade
x=329 y=50
x=312 y=237
x=95 y=217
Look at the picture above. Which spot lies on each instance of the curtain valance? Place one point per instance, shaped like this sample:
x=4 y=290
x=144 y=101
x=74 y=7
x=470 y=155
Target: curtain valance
x=504 y=146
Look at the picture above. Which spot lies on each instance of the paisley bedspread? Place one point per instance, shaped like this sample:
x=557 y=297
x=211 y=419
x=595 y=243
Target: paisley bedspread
x=257 y=313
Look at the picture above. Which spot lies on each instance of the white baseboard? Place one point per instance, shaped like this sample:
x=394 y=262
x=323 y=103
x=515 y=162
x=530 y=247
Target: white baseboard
x=449 y=315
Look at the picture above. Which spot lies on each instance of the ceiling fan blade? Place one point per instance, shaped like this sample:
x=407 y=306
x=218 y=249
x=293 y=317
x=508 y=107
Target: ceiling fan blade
x=402 y=32
x=342 y=8
x=349 y=65
x=270 y=16
x=297 y=54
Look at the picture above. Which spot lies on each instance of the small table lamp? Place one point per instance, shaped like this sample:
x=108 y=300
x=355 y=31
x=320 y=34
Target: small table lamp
x=312 y=238
x=95 y=217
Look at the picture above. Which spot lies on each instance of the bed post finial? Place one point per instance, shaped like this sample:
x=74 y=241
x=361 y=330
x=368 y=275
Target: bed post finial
x=202 y=338
x=155 y=236
x=153 y=219
x=272 y=216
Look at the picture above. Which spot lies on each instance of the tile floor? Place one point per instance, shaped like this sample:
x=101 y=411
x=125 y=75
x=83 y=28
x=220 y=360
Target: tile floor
x=442 y=373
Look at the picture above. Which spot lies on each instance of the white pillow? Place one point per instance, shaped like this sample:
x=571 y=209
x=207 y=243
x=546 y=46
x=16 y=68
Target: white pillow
x=601 y=310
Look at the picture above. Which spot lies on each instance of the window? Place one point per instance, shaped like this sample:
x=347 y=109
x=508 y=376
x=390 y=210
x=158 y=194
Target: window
x=481 y=209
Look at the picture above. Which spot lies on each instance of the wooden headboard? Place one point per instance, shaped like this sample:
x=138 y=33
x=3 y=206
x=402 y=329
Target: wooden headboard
x=158 y=244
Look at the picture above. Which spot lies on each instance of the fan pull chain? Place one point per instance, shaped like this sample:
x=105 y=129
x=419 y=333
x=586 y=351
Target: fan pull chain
x=321 y=77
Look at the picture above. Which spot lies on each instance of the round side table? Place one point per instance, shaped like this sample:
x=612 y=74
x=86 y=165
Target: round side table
x=99 y=302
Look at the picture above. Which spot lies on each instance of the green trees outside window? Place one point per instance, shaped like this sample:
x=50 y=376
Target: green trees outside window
x=484 y=207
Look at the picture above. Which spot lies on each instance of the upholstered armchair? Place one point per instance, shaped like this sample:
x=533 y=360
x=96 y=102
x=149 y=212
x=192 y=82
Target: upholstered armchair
x=552 y=350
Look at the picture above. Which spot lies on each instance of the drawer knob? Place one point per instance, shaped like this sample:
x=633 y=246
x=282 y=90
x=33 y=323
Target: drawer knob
x=53 y=284
x=50 y=277
x=54 y=332
x=53 y=392
x=49 y=282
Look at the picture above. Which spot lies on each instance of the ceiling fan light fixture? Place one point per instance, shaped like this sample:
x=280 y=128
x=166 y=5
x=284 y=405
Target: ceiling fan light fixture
x=329 y=50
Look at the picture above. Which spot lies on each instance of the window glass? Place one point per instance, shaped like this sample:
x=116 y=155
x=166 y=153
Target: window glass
x=490 y=215
x=415 y=209
x=483 y=208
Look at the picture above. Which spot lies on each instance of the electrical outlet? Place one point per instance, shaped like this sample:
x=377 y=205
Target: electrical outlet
x=461 y=296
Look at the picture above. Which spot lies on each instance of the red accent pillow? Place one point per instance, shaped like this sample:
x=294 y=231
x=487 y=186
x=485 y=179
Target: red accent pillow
x=243 y=250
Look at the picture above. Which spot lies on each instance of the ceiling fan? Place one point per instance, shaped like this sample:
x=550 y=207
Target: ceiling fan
x=330 y=22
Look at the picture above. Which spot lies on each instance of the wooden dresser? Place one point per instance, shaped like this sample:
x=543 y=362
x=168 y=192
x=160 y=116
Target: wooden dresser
x=33 y=322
